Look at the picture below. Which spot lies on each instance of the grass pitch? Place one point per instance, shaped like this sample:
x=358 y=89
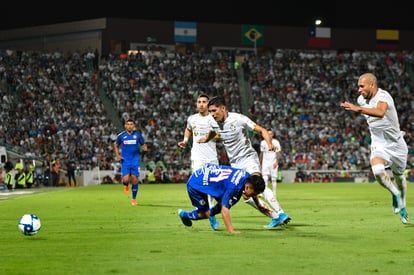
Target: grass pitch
x=336 y=228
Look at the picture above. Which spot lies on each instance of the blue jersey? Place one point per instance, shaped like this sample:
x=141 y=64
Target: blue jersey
x=129 y=145
x=224 y=183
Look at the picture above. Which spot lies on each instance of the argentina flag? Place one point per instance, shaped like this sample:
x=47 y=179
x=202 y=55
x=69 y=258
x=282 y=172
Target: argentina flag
x=185 y=32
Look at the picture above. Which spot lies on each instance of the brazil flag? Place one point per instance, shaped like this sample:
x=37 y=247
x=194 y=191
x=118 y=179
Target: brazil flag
x=252 y=33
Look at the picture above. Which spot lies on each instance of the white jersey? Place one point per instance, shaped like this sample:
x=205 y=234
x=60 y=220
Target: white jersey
x=234 y=134
x=269 y=157
x=386 y=129
x=387 y=140
x=201 y=153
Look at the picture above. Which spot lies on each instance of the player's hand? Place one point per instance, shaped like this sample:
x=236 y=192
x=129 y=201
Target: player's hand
x=182 y=144
x=348 y=106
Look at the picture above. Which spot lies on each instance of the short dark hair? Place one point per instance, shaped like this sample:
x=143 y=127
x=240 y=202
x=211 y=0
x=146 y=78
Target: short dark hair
x=204 y=95
x=217 y=101
x=257 y=183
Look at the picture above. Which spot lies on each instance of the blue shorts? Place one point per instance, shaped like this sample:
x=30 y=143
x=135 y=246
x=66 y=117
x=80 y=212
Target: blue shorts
x=130 y=169
x=198 y=199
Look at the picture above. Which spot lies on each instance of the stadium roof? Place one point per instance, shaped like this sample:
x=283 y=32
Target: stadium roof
x=340 y=14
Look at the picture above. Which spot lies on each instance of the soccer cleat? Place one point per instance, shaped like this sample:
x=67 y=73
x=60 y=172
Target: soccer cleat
x=134 y=202
x=126 y=189
x=284 y=218
x=213 y=222
x=403 y=215
x=186 y=221
x=395 y=207
x=274 y=223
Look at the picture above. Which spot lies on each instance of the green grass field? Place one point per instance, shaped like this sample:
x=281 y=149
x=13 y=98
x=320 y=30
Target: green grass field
x=336 y=228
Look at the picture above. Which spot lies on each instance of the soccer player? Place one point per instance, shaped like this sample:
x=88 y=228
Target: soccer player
x=268 y=160
x=231 y=129
x=388 y=147
x=269 y=164
x=226 y=185
x=198 y=126
x=127 y=151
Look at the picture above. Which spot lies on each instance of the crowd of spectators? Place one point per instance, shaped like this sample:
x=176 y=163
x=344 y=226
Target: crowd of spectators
x=51 y=108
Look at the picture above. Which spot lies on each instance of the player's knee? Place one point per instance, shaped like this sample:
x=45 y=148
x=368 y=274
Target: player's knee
x=378 y=169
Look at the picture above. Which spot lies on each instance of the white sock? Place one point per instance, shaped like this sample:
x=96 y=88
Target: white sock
x=401 y=182
x=274 y=183
x=210 y=201
x=384 y=179
x=271 y=214
x=272 y=201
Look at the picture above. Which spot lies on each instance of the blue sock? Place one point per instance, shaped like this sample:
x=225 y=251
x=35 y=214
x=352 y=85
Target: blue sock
x=216 y=209
x=192 y=215
x=134 y=191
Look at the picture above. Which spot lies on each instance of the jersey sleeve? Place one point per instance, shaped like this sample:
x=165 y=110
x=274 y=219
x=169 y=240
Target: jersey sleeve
x=231 y=197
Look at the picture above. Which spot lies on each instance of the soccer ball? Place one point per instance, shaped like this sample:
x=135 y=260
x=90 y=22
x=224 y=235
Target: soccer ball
x=29 y=224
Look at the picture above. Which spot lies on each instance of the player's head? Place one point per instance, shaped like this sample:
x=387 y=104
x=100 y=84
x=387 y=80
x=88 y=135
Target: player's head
x=129 y=125
x=367 y=85
x=270 y=132
x=217 y=108
x=202 y=103
x=254 y=185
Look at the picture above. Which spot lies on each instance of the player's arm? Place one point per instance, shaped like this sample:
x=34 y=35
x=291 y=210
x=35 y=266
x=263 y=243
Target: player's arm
x=261 y=158
x=144 y=147
x=210 y=135
x=278 y=154
x=225 y=213
x=187 y=135
x=378 y=111
x=262 y=207
x=265 y=136
x=276 y=164
x=116 y=150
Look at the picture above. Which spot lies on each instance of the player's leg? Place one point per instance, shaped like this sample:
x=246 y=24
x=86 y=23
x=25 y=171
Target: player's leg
x=383 y=178
x=134 y=184
x=201 y=211
x=273 y=179
x=398 y=167
x=213 y=220
x=401 y=182
x=196 y=164
x=125 y=177
x=281 y=217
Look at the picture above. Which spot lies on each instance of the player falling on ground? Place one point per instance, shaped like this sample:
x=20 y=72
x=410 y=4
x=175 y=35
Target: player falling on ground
x=226 y=184
x=232 y=129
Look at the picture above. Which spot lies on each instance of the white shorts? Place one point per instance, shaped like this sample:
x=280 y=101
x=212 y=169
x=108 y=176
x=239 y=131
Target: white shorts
x=267 y=170
x=394 y=154
x=251 y=165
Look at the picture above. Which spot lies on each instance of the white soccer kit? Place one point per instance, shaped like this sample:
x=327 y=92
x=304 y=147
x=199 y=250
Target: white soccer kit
x=234 y=134
x=201 y=153
x=269 y=158
x=387 y=140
